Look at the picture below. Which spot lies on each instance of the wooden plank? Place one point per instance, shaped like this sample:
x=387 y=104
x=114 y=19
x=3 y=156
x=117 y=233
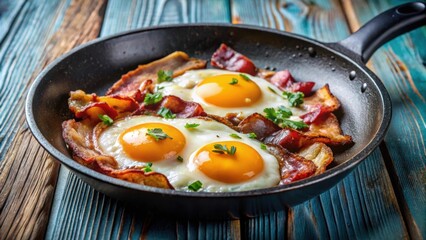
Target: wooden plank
x=17 y=41
x=364 y=204
x=79 y=212
x=9 y=10
x=28 y=174
x=401 y=66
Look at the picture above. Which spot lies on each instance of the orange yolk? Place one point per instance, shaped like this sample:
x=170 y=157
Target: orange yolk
x=144 y=148
x=219 y=91
x=245 y=164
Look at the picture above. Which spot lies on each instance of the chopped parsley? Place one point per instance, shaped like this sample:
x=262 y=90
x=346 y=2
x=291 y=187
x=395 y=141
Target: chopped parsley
x=245 y=77
x=295 y=99
x=272 y=90
x=252 y=135
x=147 y=167
x=219 y=148
x=233 y=81
x=234 y=135
x=277 y=116
x=164 y=76
x=195 y=186
x=106 y=119
x=166 y=113
x=157 y=134
x=263 y=146
x=294 y=124
x=191 y=125
x=280 y=116
x=179 y=158
x=153 y=98
x=158 y=88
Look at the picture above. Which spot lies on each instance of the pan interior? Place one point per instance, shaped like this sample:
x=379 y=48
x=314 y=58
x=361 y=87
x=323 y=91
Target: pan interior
x=97 y=66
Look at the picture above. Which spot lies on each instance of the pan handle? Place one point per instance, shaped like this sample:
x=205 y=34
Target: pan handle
x=384 y=27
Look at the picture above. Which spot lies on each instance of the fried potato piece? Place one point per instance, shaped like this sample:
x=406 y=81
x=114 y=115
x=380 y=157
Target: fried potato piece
x=178 y=62
x=119 y=103
x=91 y=106
x=320 y=154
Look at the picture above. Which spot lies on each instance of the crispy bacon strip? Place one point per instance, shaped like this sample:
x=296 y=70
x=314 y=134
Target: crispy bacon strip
x=178 y=62
x=258 y=124
x=319 y=105
x=282 y=79
x=227 y=58
x=320 y=154
x=89 y=106
x=289 y=139
x=304 y=87
x=78 y=137
x=328 y=131
x=293 y=167
x=285 y=81
x=323 y=97
x=182 y=108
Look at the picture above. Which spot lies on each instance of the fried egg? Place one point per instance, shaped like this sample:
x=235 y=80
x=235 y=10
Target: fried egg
x=186 y=155
x=220 y=92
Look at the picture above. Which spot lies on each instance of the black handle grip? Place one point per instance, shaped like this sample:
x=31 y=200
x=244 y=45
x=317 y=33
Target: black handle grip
x=384 y=27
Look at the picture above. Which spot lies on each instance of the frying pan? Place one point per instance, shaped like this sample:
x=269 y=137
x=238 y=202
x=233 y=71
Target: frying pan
x=93 y=67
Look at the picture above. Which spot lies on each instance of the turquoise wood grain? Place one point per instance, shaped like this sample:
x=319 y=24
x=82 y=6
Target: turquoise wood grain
x=401 y=65
x=9 y=10
x=80 y=212
x=364 y=204
x=24 y=31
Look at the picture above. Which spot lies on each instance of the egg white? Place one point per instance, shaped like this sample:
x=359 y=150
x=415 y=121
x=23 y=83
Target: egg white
x=182 y=174
x=184 y=85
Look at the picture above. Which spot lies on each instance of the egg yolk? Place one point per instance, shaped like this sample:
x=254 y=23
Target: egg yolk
x=143 y=147
x=228 y=91
x=243 y=165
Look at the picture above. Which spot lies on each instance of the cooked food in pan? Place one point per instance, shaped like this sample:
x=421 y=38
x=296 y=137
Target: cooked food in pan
x=174 y=124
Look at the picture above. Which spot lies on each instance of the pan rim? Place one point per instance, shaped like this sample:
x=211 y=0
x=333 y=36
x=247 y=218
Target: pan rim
x=346 y=166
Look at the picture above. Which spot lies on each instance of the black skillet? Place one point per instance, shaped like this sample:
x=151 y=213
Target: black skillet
x=365 y=112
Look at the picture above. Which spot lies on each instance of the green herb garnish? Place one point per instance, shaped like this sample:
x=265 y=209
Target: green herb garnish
x=235 y=136
x=272 y=90
x=195 y=186
x=158 y=88
x=157 y=134
x=153 y=98
x=106 y=119
x=191 y=125
x=277 y=116
x=245 y=77
x=164 y=76
x=147 y=167
x=219 y=148
x=295 y=99
x=262 y=146
x=179 y=158
x=252 y=135
x=233 y=81
x=166 y=113
x=294 y=124
x=280 y=117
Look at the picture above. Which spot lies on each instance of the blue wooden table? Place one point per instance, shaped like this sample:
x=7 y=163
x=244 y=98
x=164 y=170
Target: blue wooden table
x=384 y=198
